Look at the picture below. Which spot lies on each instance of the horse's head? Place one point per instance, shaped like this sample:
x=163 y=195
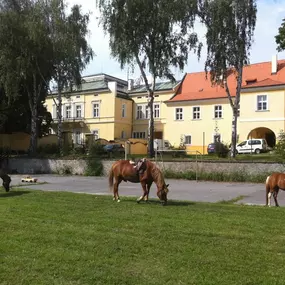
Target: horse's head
x=6 y=182
x=162 y=194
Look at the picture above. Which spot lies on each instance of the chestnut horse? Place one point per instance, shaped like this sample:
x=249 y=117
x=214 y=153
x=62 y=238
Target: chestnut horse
x=273 y=183
x=145 y=172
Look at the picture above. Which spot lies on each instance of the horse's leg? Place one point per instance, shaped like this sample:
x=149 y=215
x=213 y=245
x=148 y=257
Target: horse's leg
x=116 y=189
x=143 y=183
x=268 y=193
x=148 y=189
x=275 y=194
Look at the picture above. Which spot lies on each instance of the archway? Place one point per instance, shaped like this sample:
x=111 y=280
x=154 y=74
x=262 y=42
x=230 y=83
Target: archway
x=263 y=133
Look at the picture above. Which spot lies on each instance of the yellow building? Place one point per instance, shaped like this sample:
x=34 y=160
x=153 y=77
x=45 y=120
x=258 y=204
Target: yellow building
x=100 y=108
x=192 y=112
x=163 y=92
x=200 y=113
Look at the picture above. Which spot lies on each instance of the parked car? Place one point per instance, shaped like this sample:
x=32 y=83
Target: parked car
x=218 y=148
x=252 y=146
x=117 y=148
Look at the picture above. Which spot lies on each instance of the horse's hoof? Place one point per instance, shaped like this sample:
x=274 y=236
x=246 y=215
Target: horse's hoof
x=118 y=200
x=138 y=201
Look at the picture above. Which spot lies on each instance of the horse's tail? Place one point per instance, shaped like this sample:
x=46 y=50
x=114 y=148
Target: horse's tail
x=111 y=179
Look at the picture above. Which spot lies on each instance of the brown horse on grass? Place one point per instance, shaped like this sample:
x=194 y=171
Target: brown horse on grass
x=145 y=172
x=273 y=183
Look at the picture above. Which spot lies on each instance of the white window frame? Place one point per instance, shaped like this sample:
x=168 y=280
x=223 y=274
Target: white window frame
x=218 y=112
x=196 y=113
x=95 y=133
x=139 y=135
x=217 y=135
x=186 y=137
x=68 y=111
x=261 y=102
x=178 y=114
x=156 y=110
x=124 y=107
x=140 y=114
x=76 y=106
x=97 y=103
x=76 y=133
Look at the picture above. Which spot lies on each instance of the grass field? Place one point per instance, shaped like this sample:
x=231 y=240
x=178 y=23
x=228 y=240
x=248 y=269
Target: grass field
x=65 y=238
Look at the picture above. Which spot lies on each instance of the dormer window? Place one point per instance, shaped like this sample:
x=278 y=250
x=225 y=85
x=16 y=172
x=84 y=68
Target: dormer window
x=250 y=81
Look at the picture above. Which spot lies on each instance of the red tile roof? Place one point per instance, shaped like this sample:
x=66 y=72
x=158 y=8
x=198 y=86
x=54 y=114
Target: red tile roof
x=195 y=86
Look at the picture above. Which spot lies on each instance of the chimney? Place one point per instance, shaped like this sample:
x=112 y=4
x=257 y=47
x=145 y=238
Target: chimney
x=274 y=64
x=130 y=84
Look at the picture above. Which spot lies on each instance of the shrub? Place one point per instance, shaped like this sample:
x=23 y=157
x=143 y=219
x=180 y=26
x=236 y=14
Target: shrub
x=221 y=149
x=94 y=163
x=280 y=146
x=48 y=149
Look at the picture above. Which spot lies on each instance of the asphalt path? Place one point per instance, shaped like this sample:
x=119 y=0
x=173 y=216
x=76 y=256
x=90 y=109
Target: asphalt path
x=201 y=191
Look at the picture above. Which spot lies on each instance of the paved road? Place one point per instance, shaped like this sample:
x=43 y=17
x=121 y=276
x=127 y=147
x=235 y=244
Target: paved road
x=179 y=189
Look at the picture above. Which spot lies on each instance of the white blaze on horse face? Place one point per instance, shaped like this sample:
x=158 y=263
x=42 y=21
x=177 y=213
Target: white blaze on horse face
x=267 y=179
x=269 y=198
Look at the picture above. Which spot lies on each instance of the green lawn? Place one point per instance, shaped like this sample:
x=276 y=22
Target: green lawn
x=64 y=238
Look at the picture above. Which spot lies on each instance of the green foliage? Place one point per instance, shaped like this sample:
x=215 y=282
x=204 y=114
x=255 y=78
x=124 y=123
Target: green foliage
x=49 y=149
x=237 y=176
x=94 y=163
x=280 y=38
x=153 y=34
x=221 y=149
x=230 y=26
x=280 y=146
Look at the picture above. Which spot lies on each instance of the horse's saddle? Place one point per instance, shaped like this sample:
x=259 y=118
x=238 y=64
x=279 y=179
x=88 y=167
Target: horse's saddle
x=139 y=166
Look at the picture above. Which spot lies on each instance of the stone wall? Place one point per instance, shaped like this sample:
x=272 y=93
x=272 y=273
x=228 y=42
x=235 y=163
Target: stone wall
x=36 y=166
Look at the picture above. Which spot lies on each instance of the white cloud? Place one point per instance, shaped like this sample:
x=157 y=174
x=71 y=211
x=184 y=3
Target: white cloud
x=269 y=17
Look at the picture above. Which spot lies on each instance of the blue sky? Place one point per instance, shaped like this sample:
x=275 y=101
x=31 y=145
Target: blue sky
x=269 y=17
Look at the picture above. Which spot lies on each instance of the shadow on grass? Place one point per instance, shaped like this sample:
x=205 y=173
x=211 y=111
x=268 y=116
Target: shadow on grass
x=157 y=202
x=13 y=194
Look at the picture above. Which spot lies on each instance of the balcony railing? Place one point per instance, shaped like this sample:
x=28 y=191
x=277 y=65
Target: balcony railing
x=70 y=119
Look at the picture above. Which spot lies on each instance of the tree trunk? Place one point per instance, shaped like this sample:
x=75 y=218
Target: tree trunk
x=234 y=132
x=59 y=114
x=34 y=131
x=151 y=125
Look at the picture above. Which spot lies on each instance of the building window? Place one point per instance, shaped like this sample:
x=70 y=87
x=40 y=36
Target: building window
x=261 y=102
x=156 y=110
x=217 y=138
x=78 y=111
x=218 y=112
x=96 y=110
x=187 y=139
x=123 y=110
x=95 y=134
x=123 y=134
x=178 y=114
x=78 y=138
x=68 y=111
x=140 y=114
x=146 y=112
x=196 y=113
x=139 y=135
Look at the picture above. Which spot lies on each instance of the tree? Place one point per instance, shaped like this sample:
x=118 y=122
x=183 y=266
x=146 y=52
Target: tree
x=230 y=26
x=26 y=59
x=280 y=38
x=153 y=34
x=71 y=52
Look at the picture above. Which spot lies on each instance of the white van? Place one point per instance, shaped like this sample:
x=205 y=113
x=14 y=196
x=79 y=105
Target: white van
x=160 y=144
x=252 y=146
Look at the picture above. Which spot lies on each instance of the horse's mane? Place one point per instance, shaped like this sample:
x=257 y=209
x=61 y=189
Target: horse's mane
x=157 y=175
